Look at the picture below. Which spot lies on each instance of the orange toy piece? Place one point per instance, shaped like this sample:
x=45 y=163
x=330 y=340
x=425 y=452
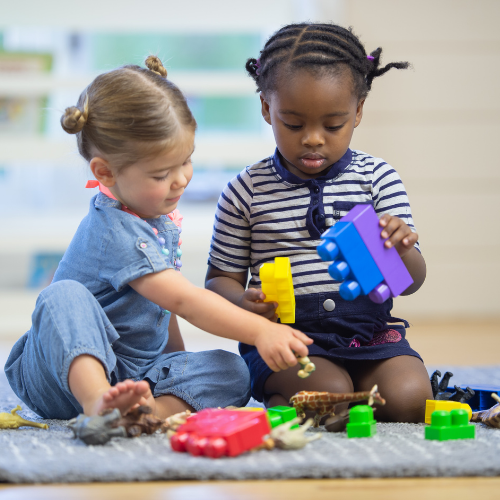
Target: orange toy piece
x=277 y=285
x=323 y=403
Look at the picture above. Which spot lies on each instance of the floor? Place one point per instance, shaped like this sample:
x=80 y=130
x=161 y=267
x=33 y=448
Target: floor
x=439 y=342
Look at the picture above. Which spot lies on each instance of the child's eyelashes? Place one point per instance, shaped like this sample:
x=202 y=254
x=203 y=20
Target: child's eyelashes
x=292 y=127
x=299 y=127
x=159 y=179
x=332 y=129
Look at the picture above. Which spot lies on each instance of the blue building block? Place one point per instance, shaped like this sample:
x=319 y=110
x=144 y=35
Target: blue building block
x=482 y=399
x=360 y=258
x=352 y=264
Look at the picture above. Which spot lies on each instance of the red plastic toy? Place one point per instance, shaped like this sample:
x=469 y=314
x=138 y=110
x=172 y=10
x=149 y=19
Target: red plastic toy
x=216 y=433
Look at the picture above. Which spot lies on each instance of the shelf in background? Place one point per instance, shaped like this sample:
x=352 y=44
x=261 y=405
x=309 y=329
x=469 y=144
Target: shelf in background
x=196 y=83
x=211 y=150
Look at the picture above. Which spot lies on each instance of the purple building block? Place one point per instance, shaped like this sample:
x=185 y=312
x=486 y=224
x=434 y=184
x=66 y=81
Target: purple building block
x=395 y=274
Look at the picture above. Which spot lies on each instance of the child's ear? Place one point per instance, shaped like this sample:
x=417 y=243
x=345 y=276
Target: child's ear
x=102 y=172
x=359 y=112
x=265 y=108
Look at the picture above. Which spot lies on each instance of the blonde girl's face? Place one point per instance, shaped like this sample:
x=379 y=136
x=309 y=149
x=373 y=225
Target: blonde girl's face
x=153 y=187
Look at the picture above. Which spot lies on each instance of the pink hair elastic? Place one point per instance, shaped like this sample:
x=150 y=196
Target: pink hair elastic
x=370 y=58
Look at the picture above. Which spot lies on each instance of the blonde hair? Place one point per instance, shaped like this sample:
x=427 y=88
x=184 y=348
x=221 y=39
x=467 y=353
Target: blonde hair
x=128 y=114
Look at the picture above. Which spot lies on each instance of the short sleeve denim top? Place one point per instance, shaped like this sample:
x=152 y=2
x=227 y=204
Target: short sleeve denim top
x=110 y=249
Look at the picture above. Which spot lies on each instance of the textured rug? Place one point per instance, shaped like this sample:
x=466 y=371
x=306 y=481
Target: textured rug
x=398 y=450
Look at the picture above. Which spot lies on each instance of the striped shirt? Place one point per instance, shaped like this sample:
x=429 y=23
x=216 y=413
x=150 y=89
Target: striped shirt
x=267 y=212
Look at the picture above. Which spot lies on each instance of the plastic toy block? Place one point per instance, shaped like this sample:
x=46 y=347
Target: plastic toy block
x=482 y=399
x=215 y=433
x=432 y=405
x=352 y=263
x=446 y=425
x=395 y=274
x=361 y=422
x=247 y=408
x=277 y=285
x=280 y=414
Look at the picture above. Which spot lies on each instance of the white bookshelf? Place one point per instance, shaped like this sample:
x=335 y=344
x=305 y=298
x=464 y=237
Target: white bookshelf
x=196 y=83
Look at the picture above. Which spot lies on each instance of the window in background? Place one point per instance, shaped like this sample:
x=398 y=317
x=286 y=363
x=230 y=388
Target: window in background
x=41 y=174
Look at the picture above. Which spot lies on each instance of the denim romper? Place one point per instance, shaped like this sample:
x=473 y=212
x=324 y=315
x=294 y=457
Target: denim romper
x=89 y=308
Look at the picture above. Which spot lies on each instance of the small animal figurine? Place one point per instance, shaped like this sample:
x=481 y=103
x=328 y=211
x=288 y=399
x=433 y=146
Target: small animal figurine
x=440 y=393
x=489 y=417
x=138 y=421
x=307 y=367
x=323 y=403
x=285 y=438
x=13 y=421
x=98 y=429
x=173 y=422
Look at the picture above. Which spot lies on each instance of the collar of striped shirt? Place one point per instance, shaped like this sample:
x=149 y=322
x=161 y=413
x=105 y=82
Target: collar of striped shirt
x=334 y=170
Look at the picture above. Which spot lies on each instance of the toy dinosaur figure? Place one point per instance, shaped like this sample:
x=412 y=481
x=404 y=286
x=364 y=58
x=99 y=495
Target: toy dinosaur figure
x=138 y=421
x=292 y=439
x=439 y=389
x=323 y=403
x=13 y=421
x=489 y=417
x=98 y=429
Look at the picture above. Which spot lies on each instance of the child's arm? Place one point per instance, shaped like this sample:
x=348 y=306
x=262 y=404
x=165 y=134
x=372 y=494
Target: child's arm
x=231 y=286
x=276 y=343
x=403 y=239
x=175 y=341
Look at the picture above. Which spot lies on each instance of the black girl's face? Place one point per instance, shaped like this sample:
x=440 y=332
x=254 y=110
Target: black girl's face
x=313 y=119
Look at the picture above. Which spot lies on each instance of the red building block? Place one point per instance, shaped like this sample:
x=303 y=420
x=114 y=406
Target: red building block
x=215 y=433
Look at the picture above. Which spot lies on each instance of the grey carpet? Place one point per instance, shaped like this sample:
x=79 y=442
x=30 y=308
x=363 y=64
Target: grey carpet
x=398 y=450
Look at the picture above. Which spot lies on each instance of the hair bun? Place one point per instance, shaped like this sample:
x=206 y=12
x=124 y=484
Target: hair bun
x=74 y=119
x=154 y=64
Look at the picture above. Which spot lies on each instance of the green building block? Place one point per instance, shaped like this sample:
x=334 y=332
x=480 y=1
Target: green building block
x=361 y=422
x=446 y=425
x=278 y=415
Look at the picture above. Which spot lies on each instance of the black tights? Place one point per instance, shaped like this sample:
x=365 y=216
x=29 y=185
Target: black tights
x=402 y=381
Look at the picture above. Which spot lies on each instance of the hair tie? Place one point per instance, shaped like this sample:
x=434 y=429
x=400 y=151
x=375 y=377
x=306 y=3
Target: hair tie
x=370 y=58
x=257 y=65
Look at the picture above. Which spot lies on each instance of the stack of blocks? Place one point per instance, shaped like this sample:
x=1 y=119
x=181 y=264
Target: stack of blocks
x=432 y=405
x=361 y=422
x=446 y=425
x=360 y=258
x=277 y=285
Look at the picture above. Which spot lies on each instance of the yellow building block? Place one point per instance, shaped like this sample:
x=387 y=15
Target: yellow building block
x=433 y=405
x=277 y=285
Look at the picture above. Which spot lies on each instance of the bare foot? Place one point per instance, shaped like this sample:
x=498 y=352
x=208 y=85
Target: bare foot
x=124 y=396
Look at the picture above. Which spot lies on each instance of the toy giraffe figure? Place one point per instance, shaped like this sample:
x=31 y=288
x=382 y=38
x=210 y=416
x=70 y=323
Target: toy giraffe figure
x=323 y=403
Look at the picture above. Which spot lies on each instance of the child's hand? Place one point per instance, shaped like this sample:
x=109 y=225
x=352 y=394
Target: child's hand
x=399 y=234
x=253 y=300
x=279 y=345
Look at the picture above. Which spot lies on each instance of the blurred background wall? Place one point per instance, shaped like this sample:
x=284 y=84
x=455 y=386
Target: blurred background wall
x=436 y=124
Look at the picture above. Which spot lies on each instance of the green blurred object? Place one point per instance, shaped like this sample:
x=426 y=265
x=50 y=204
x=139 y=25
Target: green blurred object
x=228 y=114
x=177 y=51
x=278 y=415
x=446 y=425
x=361 y=422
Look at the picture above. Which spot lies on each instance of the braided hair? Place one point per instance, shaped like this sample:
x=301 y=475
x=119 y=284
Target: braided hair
x=318 y=47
